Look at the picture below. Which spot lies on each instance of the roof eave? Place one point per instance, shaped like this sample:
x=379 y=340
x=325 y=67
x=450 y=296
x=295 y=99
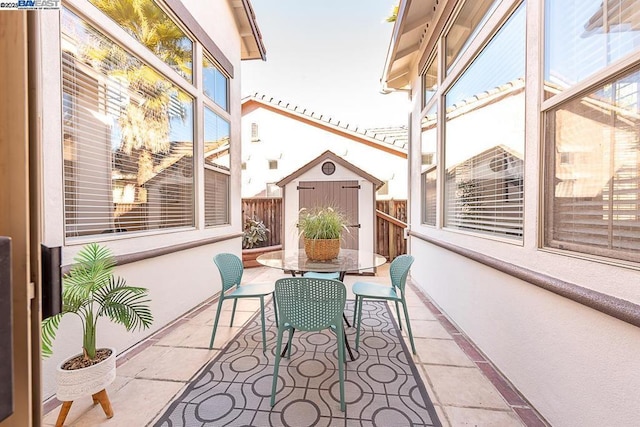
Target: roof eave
x=252 y=44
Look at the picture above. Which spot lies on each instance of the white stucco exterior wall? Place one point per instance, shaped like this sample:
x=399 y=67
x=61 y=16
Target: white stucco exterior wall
x=179 y=281
x=293 y=144
x=577 y=366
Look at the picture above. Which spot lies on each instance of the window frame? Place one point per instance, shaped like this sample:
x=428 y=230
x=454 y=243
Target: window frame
x=195 y=89
x=500 y=12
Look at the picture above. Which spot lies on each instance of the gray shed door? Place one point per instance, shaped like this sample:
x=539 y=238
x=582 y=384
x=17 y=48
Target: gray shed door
x=341 y=194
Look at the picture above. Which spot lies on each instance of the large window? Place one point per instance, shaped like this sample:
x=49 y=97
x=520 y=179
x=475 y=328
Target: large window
x=151 y=26
x=593 y=171
x=129 y=130
x=484 y=138
x=429 y=170
x=469 y=21
x=217 y=166
x=585 y=36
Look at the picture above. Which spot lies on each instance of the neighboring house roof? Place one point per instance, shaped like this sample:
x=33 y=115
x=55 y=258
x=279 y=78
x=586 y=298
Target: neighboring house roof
x=252 y=45
x=329 y=155
x=391 y=140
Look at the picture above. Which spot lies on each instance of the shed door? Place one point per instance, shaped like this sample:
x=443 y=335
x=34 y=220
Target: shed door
x=340 y=194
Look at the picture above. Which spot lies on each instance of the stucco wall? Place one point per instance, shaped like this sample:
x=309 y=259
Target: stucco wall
x=577 y=366
x=294 y=144
x=177 y=282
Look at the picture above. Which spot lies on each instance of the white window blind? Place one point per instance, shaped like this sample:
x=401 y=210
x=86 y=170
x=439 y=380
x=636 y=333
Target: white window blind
x=217 y=167
x=583 y=37
x=216 y=198
x=593 y=173
x=128 y=139
x=429 y=200
x=484 y=138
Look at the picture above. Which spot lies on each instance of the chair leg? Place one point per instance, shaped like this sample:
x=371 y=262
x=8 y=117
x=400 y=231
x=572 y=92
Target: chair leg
x=406 y=318
x=358 y=324
x=276 y=366
x=275 y=309
x=398 y=313
x=215 y=324
x=264 y=334
x=233 y=313
x=341 y=362
x=290 y=343
x=355 y=311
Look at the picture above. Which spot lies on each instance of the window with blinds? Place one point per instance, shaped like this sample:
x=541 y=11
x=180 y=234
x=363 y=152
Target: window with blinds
x=466 y=25
x=215 y=83
x=429 y=170
x=583 y=37
x=152 y=27
x=593 y=172
x=217 y=165
x=128 y=139
x=484 y=138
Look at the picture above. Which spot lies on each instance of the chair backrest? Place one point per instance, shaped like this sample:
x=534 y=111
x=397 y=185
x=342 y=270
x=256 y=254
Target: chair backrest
x=399 y=269
x=230 y=267
x=310 y=304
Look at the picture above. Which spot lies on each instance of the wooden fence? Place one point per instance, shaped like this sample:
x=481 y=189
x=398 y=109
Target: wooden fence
x=391 y=218
x=269 y=211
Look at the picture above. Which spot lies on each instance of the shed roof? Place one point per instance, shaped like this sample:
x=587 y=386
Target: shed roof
x=329 y=155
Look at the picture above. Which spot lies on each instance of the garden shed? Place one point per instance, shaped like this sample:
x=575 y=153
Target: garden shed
x=329 y=180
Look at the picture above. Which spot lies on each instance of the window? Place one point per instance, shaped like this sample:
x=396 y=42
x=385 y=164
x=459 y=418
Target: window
x=215 y=83
x=164 y=38
x=217 y=164
x=484 y=138
x=430 y=82
x=585 y=36
x=243 y=166
x=429 y=171
x=255 y=136
x=593 y=171
x=128 y=139
x=273 y=164
x=469 y=21
x=128 y=122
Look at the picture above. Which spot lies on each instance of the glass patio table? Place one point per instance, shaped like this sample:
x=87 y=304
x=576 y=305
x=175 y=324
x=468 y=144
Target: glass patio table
x=296 y=261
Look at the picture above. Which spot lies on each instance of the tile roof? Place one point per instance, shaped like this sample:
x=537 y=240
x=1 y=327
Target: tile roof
x=395 y=136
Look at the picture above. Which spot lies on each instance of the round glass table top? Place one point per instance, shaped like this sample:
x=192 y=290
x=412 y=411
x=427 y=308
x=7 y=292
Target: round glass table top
x=347 y=260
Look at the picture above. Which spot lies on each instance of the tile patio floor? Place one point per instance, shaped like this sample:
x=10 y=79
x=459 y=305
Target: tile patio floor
x=464 y=387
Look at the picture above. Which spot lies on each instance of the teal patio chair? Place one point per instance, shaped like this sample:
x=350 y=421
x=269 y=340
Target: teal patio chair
x=310 y=304
x=398 y=271
x=230 y=267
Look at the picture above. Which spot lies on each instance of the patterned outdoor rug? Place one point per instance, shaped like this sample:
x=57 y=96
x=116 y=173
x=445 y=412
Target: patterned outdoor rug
x=382 y=386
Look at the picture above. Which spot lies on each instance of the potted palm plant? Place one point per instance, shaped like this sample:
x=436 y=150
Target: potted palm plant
x=91 y=291
x=321 y=229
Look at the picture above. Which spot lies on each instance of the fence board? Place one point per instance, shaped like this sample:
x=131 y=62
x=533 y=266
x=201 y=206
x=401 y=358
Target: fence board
x=390 y=238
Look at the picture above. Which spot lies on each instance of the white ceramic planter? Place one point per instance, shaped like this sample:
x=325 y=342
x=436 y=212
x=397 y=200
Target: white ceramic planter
x=85 y=381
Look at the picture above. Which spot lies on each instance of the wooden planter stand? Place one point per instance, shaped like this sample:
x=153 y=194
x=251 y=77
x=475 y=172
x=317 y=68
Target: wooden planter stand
x=249 y=255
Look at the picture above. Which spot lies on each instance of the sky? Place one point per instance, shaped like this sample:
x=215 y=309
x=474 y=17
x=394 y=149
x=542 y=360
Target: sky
x=328 y=57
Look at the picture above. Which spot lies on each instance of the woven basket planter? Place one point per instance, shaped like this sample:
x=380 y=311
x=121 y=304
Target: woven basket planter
x=322 y=249
x=86 y=381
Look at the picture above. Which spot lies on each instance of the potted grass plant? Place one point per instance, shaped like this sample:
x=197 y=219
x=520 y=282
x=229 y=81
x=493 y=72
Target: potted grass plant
x=321 y=229
x=90 y=292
